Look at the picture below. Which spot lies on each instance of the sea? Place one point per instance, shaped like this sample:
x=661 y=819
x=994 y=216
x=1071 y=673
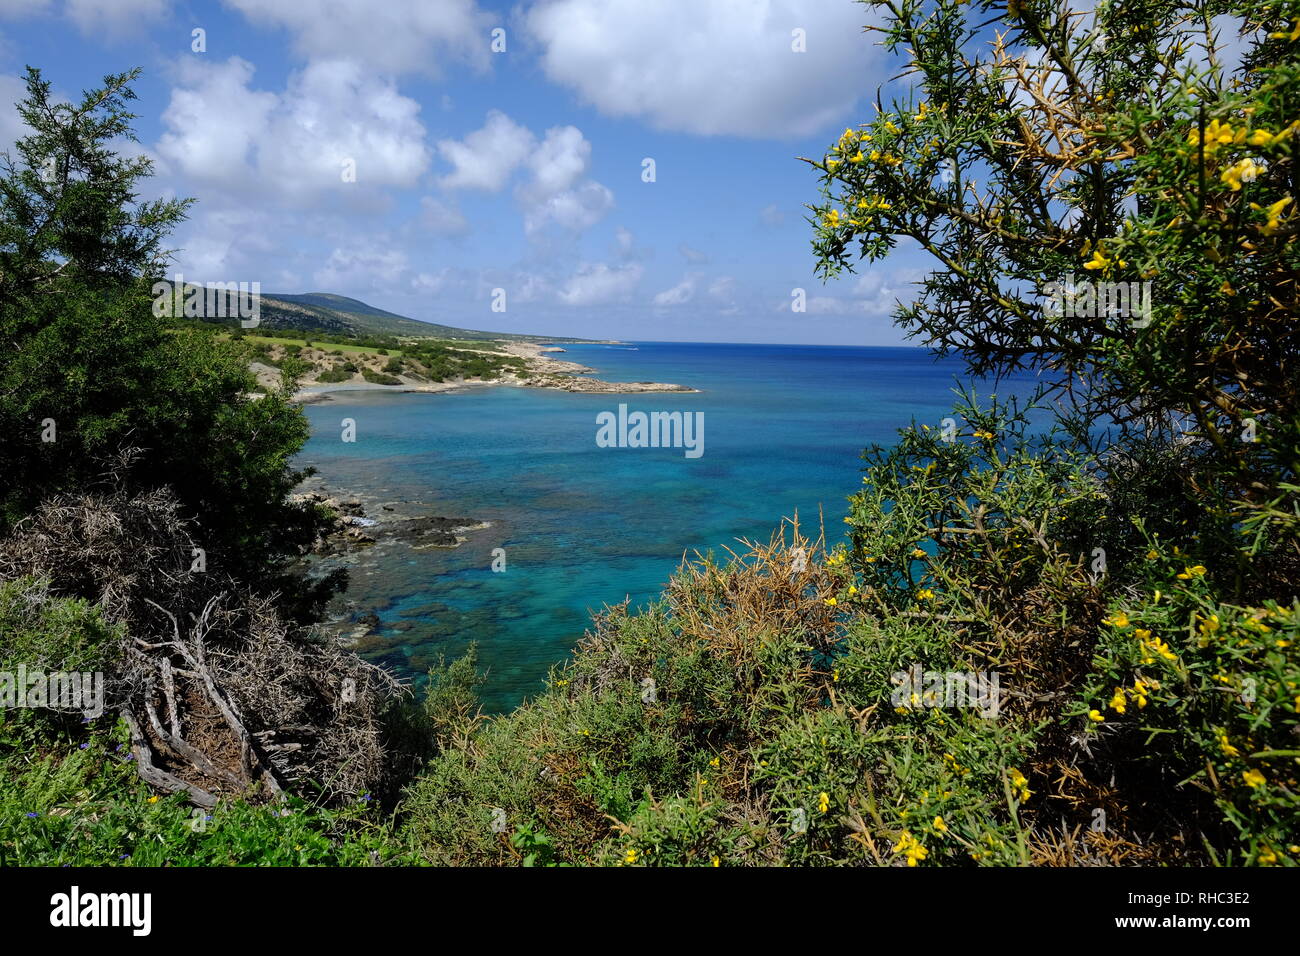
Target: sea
x=576 y=523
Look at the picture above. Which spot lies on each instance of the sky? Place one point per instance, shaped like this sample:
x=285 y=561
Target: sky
x=420 y=155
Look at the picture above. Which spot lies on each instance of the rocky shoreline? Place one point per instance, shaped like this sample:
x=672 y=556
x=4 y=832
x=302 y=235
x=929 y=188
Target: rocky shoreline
x=352 y=528
x=542 y=371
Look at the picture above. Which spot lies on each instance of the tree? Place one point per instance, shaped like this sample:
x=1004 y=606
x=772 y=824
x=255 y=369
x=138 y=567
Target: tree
x=1120 y=152
x=88 y=369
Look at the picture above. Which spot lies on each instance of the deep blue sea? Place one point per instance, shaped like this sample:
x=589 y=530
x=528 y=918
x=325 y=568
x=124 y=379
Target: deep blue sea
x=583 y=526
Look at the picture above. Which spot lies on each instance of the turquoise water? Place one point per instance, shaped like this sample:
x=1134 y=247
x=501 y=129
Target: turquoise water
x=582 y=525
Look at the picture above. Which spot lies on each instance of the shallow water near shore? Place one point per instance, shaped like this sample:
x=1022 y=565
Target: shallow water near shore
x=581 y=525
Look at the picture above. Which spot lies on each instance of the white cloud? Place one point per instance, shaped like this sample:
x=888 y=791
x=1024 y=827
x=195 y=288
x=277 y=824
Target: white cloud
x=12 y=89
x=297 y=143
x=624 y=241
x=723 y=289
x=679 y=294
x=366 y=266
x=115 y=17
x=708 y=66
x=486 y=157
x=391 y=36
x=226 y=245
x=771 y=215
x=598 y=284
x=215 y=122
x=574 y=210
x=554 y=191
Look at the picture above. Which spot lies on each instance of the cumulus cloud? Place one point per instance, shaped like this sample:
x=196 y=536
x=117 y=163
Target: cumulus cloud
x=554 y=189
x=332 y=115
x=599 y=284
x=393 y=36
x=486 y=158
x=708 y=66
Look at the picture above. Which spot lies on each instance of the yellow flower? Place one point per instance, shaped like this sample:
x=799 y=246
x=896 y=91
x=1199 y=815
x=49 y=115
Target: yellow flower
x=823 y=802
x=1099 y=259
x=1195 y=571
x=1253 y=778
x=1216 y=135
x=1242 y=169
x=832 y=219
x=1140 y=693
x=1152 y=555
x=1266 y=856
x=1095 y=716
x=1018 y=782
x=1142 y=634
x=1117 y=620
x=918 y=553
x=714 y=762
x=154 y=798
x=940 y=825
x=716 y=862
x=1118 y=701
x=832 y=601
x=1292 y=36
x=1274 y=213
x=1161 y=648
x=915 y=851
x=857 y=157
x=925 y=594
x=632 y=856
x=1226 y=747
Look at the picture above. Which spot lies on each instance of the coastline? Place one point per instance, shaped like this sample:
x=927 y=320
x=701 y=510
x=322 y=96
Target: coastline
x=544 y=372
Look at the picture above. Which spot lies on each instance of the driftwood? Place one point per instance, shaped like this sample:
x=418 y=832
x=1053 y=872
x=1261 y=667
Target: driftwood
x=222 y=696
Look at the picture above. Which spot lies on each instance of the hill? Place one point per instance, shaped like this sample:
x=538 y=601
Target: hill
x=340 y=315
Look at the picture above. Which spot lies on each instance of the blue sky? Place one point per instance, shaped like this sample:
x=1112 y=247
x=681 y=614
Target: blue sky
x=477 y=170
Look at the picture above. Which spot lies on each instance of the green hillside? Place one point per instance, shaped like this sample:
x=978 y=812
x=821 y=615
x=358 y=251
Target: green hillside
x=341 y=315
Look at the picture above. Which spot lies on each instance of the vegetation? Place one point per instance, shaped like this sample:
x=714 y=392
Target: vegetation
x=1051 y=642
